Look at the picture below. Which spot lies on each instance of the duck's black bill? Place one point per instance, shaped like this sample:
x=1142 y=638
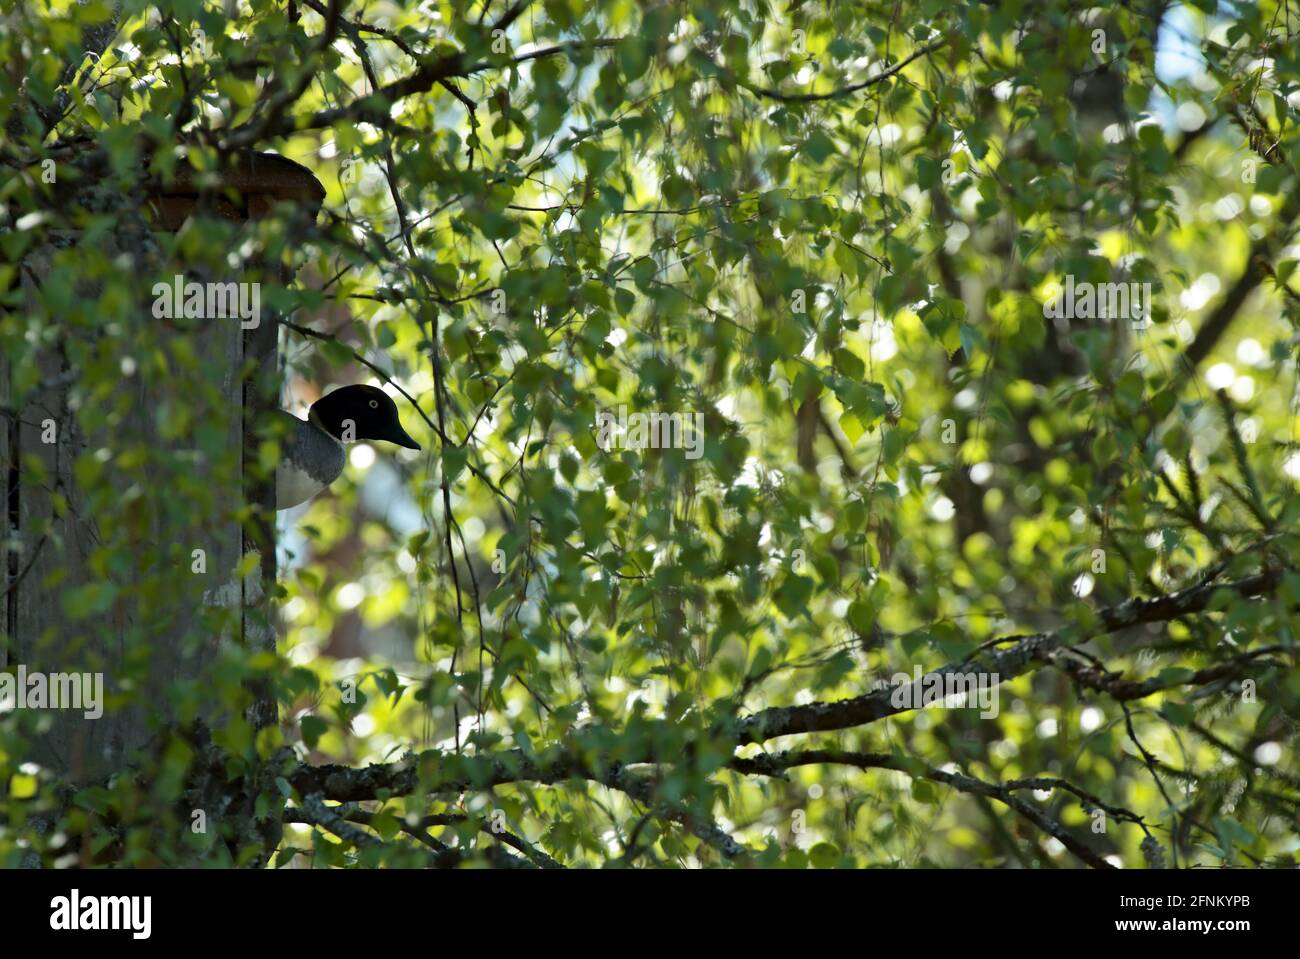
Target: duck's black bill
x=398 y=435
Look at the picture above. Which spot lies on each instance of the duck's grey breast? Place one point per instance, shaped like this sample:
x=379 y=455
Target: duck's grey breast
x=310 y=459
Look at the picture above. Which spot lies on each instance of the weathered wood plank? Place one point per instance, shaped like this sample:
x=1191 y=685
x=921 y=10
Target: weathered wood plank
x=148 y=642
x=157 y=634
x=8 y=478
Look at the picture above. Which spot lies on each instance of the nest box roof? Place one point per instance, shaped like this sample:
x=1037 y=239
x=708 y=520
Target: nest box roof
x=258 y=181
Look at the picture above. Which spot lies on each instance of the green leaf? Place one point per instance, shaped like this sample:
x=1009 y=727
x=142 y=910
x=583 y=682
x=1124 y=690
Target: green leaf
x=313 y=728
x=1180 y=714
x=818 y=146
x=923 y=791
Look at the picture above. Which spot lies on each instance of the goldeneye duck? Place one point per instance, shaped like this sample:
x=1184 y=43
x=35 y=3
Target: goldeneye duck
x=312 y=451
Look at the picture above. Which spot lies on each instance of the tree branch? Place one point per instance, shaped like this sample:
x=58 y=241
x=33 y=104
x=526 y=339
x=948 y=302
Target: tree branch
x=771 y=94
x=775 y=763
x=1028 y=653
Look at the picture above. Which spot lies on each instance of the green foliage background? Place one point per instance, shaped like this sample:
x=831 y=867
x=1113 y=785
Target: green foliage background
x=829 y=228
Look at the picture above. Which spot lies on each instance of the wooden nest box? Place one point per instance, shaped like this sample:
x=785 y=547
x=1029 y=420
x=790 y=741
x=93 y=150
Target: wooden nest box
x=248 y=190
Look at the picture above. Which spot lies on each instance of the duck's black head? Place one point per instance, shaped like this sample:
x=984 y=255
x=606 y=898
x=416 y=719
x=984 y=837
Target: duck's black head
x=369 y=411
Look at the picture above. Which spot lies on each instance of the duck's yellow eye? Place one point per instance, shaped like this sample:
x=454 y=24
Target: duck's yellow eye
x=374 y=404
